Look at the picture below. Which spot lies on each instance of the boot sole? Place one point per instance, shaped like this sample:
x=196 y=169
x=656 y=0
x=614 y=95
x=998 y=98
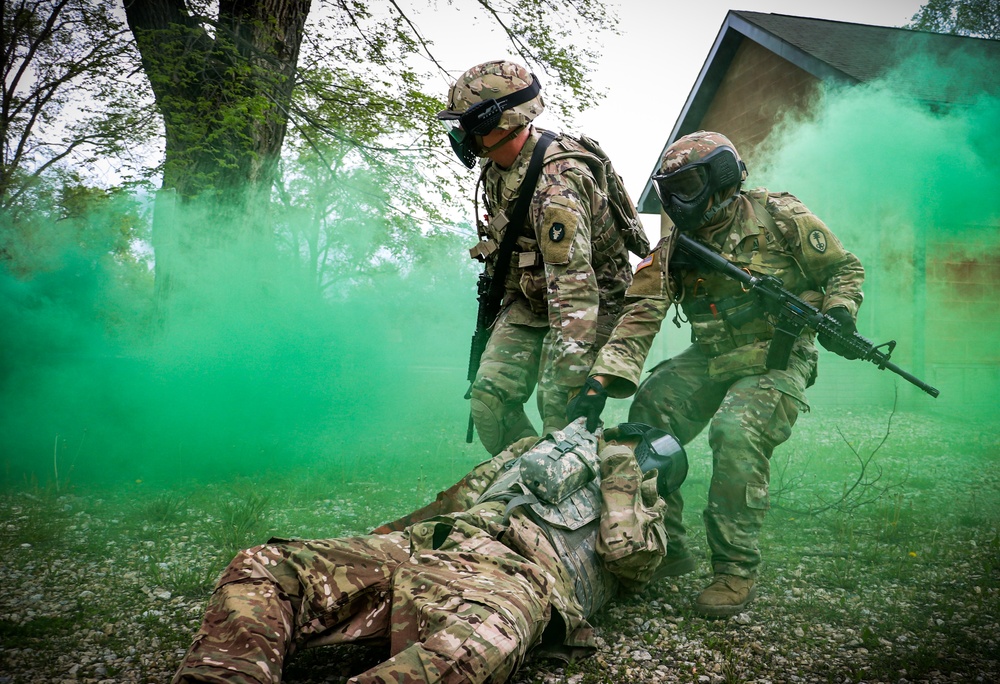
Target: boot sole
x=725 y=611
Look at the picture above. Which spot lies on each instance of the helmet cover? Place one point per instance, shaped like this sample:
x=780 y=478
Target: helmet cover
x=497 y=95
x=694 y=169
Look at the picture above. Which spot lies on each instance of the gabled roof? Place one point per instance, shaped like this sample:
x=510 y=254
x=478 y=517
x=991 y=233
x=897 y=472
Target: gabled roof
x=861 y=52
x=835 y=52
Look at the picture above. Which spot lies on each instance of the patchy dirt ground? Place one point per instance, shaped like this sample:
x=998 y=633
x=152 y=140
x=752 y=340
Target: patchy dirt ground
x=882 y=564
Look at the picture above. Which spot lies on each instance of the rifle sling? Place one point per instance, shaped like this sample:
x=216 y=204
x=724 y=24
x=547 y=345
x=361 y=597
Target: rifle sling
x=516 y=225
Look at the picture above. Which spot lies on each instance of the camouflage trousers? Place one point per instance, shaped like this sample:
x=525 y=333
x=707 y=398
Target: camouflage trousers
x=516 y=359
x=747 y=418
x=465 y=614
x=507 y=375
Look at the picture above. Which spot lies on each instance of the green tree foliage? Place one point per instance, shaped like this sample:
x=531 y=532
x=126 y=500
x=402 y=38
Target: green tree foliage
x=359 y=83
x=222 y=83
x=68 y=95
x=66 y=218
x=977 y=18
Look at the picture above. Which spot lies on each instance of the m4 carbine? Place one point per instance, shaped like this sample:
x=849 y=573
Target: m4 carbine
x=791 y=315
x=487 y=313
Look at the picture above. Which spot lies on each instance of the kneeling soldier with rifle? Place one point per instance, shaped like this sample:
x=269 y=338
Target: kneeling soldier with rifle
x=756 y=274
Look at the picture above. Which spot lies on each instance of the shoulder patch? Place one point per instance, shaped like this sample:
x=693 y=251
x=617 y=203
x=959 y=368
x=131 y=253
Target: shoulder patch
x=649 y=282
x=817 y=240
x=558 y=230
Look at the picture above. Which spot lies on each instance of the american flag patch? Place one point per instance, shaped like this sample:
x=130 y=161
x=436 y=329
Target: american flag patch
x=644 y=263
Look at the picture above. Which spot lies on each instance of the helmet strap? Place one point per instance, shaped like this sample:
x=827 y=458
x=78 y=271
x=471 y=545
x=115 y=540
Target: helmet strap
x=717 y=208
x=483 y=151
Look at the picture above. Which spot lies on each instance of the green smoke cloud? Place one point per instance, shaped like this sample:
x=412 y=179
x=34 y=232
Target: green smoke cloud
x=911 y=188
x=252 y=372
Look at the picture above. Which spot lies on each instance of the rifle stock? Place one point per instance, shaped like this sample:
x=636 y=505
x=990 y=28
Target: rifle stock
x=792 y=315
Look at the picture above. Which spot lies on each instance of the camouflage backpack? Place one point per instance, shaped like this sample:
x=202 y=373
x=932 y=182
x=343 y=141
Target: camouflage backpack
x=622 y=208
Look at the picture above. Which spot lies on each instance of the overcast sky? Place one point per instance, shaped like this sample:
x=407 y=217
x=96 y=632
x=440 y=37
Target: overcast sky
x=648 y=71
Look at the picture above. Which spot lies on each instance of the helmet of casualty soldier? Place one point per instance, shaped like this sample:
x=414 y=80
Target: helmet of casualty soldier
x=655 y=448
x=698 y=170
x=497 y=95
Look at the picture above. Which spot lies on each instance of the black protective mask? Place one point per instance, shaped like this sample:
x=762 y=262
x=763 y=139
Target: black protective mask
x=685 y=193
x=656 y=449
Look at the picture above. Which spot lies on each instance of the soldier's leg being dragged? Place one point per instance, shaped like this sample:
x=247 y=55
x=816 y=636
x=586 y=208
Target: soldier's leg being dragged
x=468 y=614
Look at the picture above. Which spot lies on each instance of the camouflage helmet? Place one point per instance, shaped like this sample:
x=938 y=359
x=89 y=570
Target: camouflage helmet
x=695 y=169
x=497 y=95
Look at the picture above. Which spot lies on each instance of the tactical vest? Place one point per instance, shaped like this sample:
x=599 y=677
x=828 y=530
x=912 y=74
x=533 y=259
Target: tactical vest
x=623 y=233
x=558 y=485
x=723 y=317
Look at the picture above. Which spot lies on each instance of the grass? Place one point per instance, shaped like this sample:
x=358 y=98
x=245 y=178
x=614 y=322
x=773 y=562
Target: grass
x=123 y=572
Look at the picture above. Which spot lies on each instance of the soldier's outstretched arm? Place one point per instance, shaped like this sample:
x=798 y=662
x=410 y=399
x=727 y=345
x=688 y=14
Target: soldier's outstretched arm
x=648 y=300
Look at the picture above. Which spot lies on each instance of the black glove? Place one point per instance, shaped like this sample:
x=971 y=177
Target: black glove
x=588 y=405
x=847 y=329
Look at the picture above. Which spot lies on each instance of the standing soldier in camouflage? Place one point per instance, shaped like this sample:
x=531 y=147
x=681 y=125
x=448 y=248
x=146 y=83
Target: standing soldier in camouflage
x=569 y=270
x=721 y=380
x=545 y=535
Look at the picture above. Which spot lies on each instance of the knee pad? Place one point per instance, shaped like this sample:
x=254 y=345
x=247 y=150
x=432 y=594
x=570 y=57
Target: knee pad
x=498 y=425
x=487 y=414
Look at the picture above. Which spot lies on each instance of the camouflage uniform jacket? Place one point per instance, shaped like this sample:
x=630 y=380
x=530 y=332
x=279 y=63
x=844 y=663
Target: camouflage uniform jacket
x=627 y=540
x=769 y=234
x=570 y=269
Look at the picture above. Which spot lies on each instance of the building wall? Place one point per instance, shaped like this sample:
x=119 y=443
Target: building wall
x=962 y=328
x=759 y=88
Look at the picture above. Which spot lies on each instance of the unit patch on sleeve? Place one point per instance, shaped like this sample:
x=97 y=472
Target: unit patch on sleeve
x=648 y=282
x=557 y=230
x=818 y=241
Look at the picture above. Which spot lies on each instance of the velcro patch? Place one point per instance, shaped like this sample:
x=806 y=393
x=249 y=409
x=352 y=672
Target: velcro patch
x=557 y=231
x=648 y=282
x=817 y=239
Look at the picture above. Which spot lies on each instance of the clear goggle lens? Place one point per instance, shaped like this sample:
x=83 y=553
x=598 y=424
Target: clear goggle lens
x=454 y=129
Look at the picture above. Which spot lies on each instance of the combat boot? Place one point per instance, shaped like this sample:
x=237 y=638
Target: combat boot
x=675 y=564
x=726 y=596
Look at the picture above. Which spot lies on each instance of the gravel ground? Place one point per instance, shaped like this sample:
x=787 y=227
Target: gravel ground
x=901 y=586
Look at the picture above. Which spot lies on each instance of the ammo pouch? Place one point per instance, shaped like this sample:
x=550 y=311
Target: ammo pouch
x=557 y=484
x=723 y=326
x=533 y=286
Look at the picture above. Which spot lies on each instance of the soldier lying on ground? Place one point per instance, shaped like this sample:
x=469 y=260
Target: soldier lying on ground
x=551 y=530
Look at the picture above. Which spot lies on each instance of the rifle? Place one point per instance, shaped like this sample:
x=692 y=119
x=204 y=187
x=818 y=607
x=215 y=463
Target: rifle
x=485 y=316
x=791 y=315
